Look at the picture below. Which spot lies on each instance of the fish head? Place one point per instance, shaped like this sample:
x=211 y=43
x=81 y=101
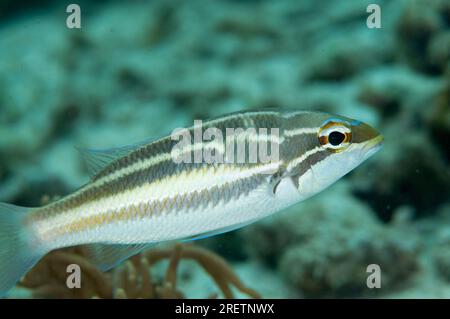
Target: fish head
x=331 y=147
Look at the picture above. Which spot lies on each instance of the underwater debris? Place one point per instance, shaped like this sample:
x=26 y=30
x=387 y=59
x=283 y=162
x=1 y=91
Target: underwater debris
x=132 y=279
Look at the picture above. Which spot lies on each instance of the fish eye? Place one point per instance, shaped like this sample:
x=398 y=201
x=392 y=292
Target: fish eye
x=335 y=136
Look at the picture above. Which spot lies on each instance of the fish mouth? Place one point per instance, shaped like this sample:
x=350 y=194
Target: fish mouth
x=374 y=142
x=373 y=145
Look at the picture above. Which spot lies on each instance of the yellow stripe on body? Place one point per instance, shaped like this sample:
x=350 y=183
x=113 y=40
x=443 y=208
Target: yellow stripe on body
x=115 y=208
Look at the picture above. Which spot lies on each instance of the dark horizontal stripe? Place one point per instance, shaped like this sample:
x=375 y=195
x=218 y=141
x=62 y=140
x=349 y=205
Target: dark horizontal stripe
x=180 y=203
x=306 y=164
x=166 y=144
x=290 y=150
x=157 y=172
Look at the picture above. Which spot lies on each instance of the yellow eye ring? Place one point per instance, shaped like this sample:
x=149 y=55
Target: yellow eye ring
x=335 y=136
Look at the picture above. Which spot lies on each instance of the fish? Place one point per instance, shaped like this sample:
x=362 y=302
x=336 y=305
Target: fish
x=160 y=190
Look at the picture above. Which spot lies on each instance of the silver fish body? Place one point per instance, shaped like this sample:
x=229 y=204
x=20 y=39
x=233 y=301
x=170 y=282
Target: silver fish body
x=145 y=196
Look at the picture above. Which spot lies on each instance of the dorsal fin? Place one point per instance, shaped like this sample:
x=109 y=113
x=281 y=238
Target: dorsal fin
x=97 y=159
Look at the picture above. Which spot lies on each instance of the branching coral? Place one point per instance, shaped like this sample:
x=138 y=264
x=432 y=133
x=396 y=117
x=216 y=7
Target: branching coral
x=137 y=271
x=48 y=278
x=132 y=279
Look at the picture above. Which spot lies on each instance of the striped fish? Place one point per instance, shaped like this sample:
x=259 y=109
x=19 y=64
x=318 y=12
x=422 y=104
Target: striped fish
x=141 y=195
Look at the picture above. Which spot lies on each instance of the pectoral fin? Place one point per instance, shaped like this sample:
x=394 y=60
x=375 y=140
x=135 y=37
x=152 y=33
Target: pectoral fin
x=294 y=179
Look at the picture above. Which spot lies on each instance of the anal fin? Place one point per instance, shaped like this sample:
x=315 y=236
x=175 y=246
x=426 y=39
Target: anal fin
x=217 y=231
x=107 y=256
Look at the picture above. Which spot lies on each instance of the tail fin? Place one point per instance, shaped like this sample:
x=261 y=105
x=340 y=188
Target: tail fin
x=18 y=251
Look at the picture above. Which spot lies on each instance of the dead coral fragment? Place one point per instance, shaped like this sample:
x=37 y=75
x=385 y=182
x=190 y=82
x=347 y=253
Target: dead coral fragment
x=132 y=279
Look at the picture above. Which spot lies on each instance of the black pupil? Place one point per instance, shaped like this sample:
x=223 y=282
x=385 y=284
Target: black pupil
x=335 y=138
